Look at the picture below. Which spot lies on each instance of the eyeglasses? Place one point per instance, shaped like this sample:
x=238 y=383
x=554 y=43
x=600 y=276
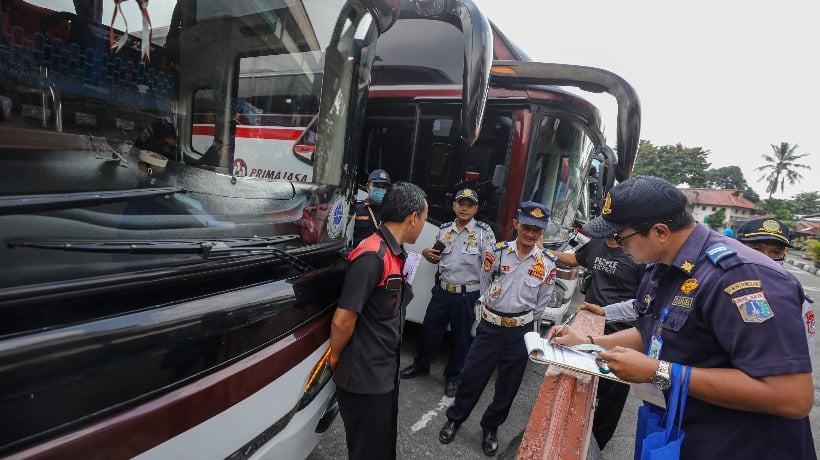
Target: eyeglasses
x=619 y=240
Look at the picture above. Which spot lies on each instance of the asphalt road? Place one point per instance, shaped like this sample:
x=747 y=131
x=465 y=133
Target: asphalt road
x=422 y=406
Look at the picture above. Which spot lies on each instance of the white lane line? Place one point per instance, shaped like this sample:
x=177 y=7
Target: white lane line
x=442 y=406
x=811 y=289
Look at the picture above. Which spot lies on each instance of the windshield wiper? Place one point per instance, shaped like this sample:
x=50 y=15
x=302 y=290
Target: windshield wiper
x=16 y=204
x=204 y=248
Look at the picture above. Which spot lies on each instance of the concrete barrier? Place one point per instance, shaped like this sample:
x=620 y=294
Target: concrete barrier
x=560 y=426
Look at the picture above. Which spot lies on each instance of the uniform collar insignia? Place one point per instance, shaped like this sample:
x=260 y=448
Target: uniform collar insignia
x=687 y=266
x=647 y=299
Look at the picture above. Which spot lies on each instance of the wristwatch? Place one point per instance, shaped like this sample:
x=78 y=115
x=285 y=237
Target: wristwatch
x=661 y=378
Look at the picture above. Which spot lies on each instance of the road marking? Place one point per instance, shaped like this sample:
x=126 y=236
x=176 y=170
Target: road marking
x=442 y=406
x=811 y=289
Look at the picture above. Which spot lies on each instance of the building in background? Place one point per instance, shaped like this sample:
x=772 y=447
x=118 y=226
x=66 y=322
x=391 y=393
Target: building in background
x=706 y=201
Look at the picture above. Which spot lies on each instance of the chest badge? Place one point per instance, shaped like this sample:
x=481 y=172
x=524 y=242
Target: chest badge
x=687 y=266
x=689 y=285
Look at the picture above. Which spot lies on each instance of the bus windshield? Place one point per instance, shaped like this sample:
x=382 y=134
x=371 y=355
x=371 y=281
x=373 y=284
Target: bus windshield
x=177 y=121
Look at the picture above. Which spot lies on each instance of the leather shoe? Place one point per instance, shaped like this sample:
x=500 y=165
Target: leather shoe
x=413 y=371
x=489 y=443
x=450 y=389
x=448 y=431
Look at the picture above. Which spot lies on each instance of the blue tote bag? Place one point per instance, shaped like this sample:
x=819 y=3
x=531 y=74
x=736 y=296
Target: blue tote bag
x=658 y=437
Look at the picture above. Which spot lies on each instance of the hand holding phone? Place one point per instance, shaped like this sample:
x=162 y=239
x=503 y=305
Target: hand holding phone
x=439 y=246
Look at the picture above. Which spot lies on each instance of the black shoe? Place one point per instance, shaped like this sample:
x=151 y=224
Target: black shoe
x=489 y=443
x=450 y=389
x=412 y=371
x=448 y=431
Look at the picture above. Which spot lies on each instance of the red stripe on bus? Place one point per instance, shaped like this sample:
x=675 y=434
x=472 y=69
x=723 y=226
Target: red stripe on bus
x=253 y=132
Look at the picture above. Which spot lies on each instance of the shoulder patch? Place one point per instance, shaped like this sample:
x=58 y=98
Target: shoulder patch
x=501 y=245
x=446 y=224
x=718 y=252
x=549 y=255
x=753 y=308
x=480 y=224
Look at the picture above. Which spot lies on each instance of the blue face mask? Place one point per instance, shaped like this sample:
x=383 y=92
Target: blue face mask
x=377 y=194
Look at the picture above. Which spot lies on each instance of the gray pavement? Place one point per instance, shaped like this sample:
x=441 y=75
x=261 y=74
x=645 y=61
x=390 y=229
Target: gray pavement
x=422 y=407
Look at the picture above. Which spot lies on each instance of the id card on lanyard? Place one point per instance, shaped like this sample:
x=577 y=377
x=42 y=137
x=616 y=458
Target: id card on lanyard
x=656 y=343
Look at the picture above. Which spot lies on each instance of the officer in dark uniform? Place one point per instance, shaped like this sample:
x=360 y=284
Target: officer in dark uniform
x=516 y=283
x=770 y=236
x=365 y=334
x=367 y=212
x=459 y=253
x=727 y=311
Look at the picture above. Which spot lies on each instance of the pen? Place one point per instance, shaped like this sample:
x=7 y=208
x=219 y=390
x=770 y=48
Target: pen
x=567 y=321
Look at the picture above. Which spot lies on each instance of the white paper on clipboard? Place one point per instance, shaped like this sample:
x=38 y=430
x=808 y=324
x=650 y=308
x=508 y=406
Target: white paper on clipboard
x=411 y=265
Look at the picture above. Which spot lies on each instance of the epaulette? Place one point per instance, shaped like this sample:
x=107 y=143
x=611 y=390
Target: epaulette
x=445 y=225
x=808 y=297
x=549 y=255
x=718 y=252
x=501 y=245
x=482 y=225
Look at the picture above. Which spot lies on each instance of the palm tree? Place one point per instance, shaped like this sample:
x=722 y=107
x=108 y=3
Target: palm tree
x=781 y=165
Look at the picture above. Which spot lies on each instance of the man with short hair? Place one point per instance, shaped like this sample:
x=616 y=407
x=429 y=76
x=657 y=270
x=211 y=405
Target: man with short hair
x=725 y=310
x=516 y=283
x=367 y=213
x=460 y=256
x=366 y=330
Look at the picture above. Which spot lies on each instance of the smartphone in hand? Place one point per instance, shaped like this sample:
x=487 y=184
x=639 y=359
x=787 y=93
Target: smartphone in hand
x=439 y=246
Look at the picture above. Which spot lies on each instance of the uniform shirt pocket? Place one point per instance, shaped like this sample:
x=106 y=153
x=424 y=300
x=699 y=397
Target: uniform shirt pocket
x=677 y=318
x=529 y=292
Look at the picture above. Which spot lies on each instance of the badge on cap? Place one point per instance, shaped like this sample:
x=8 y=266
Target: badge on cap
x=607 y=209
x=537 y=213
x=771 y=226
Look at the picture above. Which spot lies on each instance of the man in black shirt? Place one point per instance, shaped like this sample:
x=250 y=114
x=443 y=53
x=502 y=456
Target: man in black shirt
x=366 y=331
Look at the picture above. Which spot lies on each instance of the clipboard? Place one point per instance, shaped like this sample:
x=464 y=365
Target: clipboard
x=542 y=351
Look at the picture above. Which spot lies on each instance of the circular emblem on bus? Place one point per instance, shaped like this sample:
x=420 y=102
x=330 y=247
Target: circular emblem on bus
x=336 y=219
x=240 y=168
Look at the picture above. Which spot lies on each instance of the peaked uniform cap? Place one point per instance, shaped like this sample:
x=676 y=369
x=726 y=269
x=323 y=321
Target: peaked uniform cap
x=641 y=200
x=379 y=176
x=766 y=229
x=468 y=194
x=532 y=213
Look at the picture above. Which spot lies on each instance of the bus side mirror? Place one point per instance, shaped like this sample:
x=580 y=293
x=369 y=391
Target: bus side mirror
x=499 y=174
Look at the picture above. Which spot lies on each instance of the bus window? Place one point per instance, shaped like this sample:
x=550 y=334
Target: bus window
x=563 y=153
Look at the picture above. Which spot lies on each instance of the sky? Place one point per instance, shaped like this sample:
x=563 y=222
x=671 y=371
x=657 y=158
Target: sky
x=731 y=77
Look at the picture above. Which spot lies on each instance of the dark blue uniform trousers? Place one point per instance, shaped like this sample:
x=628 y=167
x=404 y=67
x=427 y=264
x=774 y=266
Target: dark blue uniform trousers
x=493 y=347
x=445 y=308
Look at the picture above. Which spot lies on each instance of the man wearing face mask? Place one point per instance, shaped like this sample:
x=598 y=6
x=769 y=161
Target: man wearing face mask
x=771 y=237
x=367 y=213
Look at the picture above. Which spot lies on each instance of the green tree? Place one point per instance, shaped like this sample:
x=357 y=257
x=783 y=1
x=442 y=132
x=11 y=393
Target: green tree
x=781 y=165
x=731 y=177
x=775 y=207
x=751 y=195
x=675 y=163
x=716 y=220
x=805 y=203
x=727 y=177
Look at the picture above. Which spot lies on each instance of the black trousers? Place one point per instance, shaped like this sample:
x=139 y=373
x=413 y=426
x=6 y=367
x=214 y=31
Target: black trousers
x=370 y=423
x=611 y=399
x=457 y=311
x=493 y=347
